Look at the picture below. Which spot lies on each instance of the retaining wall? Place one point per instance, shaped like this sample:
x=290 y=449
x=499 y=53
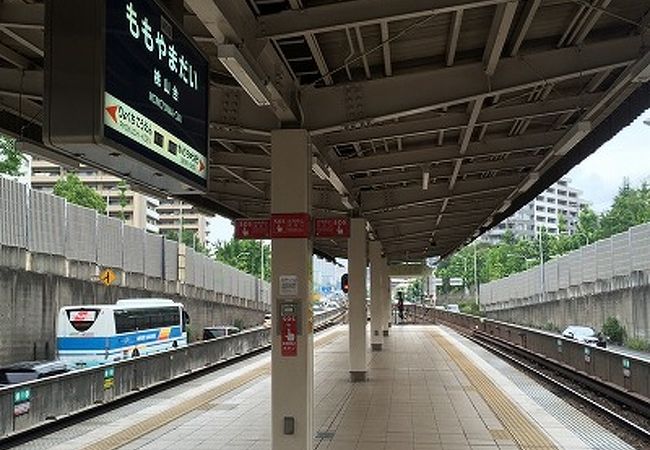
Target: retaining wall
x=30 y=301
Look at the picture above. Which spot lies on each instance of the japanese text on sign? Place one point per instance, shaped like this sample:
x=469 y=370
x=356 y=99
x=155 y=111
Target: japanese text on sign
x=167 y=52
x=252 y=228
x=332 y=227
x=290 y=225
x=289 y=331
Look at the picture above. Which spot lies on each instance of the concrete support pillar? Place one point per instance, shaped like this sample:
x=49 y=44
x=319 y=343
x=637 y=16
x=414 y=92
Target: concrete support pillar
x=377 y=300
x=357 y=316
x=386 y=297
x=292 y=366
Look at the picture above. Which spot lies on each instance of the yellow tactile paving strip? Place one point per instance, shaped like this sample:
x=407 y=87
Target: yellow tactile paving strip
x=524 y=432
x=127 y=435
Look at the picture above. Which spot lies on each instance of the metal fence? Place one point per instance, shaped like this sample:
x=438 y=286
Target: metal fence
x=625 y=256
x=45 y=224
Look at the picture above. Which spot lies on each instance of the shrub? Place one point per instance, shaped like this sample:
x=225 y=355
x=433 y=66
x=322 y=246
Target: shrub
x=549 y=326
x=239 y=323
x=470 y=308
x=638 y=344
x=614 y=330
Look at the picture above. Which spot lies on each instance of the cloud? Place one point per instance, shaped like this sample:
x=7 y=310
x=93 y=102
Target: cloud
x=626 y=155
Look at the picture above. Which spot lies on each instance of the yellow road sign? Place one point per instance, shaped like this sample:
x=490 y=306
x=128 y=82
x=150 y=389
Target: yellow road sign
x=107 y=276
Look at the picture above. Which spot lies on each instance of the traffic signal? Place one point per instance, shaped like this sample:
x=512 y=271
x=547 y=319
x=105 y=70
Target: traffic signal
x=345 y=286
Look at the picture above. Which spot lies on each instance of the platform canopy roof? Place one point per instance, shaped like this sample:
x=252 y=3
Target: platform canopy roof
x=432 y=119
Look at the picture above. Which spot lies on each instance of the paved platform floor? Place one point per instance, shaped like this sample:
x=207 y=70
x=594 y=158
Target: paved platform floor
x=427 y=389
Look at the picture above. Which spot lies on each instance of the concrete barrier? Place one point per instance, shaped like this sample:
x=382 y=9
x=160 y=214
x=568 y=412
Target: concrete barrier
x=623 y=371
x=28 y=405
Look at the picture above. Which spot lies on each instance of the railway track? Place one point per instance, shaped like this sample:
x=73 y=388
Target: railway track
x=623 y=409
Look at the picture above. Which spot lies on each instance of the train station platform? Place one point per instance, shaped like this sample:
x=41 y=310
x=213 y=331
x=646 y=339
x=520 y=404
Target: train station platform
x=429 y=388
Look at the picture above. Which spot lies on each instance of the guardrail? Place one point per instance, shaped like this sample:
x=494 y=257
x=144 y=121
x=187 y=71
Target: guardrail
x=29 y=405
x=622 y=371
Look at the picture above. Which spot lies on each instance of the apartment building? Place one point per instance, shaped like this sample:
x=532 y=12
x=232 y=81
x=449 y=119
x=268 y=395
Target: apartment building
x=175 y=214
x=140 y=210
x=543 y=213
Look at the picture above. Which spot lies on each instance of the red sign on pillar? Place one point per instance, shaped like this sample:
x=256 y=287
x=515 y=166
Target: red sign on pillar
x=332 y=227
x=296 y=225
x=288 y=335
x=252 y=229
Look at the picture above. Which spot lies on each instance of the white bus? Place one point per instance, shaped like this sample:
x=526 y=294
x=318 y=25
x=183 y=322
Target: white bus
x=90 y=335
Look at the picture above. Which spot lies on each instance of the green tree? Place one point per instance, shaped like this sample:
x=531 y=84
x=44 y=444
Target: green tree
x=245 y=255
x=631 y=207
x=189 y=238
x=74 y=191
x=414 y=291
x=588 y=227
x=10 y=158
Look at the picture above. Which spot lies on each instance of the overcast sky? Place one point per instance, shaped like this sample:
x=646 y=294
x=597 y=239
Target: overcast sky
x=626 y=155
x=599 y=176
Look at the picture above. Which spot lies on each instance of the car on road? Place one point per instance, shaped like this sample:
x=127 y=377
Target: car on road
x=219 y=331
x=583 y=334
x=21 y=372
x=267 y=320
x=452 y=307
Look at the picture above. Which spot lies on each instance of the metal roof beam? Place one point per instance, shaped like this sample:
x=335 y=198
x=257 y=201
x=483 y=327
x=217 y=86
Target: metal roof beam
x=336 y=16
x=20 y=15
x=28 y=83
x=527 y=16
x=388 y=68
x=242 y=179
x=454 y=34
x=453 y=121
x=430 y=154
x=14 y=58
x=512 y=163
x=241 y=161
x=385 y=99
x=379 y=222
x=375 y=202
x=505 y=13
x=419 y=236
x=233 y=23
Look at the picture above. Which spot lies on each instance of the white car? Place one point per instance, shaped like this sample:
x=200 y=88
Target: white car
x=583 y=334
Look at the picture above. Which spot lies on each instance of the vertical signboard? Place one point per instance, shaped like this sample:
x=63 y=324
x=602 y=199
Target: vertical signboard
x=289 y=329
x=127 y=90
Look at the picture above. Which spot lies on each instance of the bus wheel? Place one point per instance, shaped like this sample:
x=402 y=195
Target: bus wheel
x=175 y=344
x=135 y=353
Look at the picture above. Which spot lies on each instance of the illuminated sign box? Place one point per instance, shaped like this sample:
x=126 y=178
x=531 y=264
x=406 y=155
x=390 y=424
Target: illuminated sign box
x=127 y=90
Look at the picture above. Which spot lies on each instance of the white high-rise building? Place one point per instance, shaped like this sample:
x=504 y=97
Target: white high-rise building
x=543 y=213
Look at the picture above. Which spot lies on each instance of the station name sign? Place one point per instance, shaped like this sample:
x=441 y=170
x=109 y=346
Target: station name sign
x=126 y=84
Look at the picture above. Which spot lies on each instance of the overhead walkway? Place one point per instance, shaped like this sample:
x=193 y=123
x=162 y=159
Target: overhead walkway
x=428 y=389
